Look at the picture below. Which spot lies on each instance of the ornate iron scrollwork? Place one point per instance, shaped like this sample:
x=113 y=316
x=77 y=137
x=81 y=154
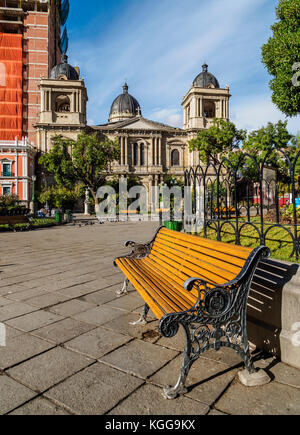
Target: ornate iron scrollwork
x=218 y=319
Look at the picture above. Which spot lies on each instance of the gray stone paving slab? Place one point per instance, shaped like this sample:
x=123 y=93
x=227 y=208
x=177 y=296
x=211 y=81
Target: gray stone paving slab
x=149 y=400
x=122 y=324
x=8 y=290
x=47 y=300
x=32 y=321
x=132 y=302
x=21 y=296
x=206 y=381
x=282 y=373
x=98 y=315
x=15 y=309
x=97 y=342
x=39 y=406
x=62 y=331
x=13 y=394
x=82 y=290
x=69 y=308
x=4 y=301
x=139 y=358
x=95 y=390
x=271 y=399
x=46 y=370
x=12 y=332
x=21 y=348
x=101 y=296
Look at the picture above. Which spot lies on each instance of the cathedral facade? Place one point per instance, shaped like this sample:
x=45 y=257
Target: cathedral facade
x=150 y=150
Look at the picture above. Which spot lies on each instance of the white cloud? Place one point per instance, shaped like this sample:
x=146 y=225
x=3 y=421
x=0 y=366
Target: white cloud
x=257 y=111
x=159 y=47
x=172 y=117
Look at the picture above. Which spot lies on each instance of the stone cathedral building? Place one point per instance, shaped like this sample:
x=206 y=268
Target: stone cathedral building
x=149 y=149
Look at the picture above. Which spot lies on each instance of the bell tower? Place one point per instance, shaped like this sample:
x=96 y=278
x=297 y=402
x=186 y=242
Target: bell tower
x=205 y=101
x=63 y=105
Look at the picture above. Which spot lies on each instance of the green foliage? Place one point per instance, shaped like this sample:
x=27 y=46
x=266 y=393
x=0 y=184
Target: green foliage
x=86 y=160
x=217 y=141
x=9 y=201
x=9 y=205
x=61 y=197
x=281 y=53
x=260 y=144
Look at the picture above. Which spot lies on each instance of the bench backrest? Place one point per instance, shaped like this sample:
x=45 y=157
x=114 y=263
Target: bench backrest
x=188 y=256
x=13 y=220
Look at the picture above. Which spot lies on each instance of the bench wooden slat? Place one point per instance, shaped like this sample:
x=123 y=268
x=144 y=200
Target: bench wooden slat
x=235 y=251
x=177 y=284
x=210 y=267
x=158 y=295
x=203 y=253
x=163 y=289
x=173 y=289
x=187 y=268
x=147 y=298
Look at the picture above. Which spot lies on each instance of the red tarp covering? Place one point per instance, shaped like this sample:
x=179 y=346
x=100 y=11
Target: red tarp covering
x=10 y=86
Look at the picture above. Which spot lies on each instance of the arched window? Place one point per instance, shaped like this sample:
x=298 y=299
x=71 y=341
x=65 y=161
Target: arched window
x=62 y=103
x=175 y=158
x=209 y=109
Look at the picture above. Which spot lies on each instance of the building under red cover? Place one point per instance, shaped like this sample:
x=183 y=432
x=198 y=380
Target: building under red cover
x=30 y=42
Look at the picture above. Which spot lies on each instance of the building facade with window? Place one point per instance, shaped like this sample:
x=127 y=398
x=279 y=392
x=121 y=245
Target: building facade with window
x=17 y=160
x=155 y=151
x=150 y=150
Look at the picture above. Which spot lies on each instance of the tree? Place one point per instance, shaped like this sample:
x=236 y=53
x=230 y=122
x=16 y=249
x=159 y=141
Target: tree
x=281 y=56
x=261 y=142
x=217 y=141
x=61 y=196
x=86 y=160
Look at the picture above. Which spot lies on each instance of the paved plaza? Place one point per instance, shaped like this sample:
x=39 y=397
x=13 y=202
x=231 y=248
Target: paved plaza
x=70 y=348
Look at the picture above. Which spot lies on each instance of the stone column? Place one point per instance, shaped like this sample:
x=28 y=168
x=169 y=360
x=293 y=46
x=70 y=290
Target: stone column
x=154 y=151
x=122 y=150
x=139 y=154
x=126 y=150
x=160 y=151
x=168 y=151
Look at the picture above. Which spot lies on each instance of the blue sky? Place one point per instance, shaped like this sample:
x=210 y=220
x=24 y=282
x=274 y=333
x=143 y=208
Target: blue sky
x=159 y=47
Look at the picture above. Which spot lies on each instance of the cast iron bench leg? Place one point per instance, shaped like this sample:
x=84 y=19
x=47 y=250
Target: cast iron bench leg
x=124 y=290
x=143 y=319
x=180 y=388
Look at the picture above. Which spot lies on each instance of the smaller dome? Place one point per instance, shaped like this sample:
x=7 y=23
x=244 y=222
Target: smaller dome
x=63 y=70
x=205 y=79
x=124 y=106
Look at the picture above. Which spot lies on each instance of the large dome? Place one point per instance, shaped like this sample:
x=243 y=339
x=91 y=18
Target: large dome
x=206 y=79
x=64 y=70
x=124 y=106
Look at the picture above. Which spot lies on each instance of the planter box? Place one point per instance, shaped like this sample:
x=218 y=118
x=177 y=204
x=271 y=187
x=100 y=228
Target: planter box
x=173 y=225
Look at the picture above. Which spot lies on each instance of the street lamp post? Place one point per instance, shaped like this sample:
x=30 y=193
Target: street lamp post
x=87 y=202
x=32 y=205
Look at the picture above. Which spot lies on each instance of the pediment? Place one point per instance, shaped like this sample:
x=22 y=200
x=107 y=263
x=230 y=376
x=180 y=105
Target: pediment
x=142 y=124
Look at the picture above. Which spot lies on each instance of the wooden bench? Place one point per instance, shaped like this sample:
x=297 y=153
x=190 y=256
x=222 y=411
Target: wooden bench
x=14 y=220
x=200 y=284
